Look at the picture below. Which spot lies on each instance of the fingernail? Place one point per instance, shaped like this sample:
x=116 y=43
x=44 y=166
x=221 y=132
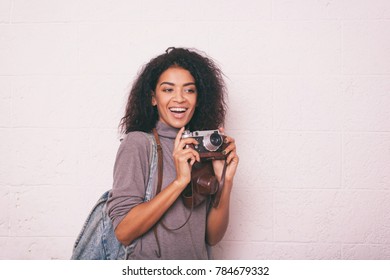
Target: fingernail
x=224 y=152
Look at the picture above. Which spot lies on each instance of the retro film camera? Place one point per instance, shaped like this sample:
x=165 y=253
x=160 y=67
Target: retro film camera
x=203 y=183
x=211 y=143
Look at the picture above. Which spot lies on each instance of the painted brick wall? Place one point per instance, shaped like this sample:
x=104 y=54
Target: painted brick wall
x=309 y=97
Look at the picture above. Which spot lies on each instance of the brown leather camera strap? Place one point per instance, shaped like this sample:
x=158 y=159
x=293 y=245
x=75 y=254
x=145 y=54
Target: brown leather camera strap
x=160 y=161
x=158 y=190
x=160 y=176
x=159 y=183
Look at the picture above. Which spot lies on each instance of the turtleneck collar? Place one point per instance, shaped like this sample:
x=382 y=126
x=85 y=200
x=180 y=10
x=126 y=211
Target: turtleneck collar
x=165 y=130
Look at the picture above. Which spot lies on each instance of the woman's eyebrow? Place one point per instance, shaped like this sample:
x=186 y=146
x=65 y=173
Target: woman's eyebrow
x=172 y=84
x=167 y=83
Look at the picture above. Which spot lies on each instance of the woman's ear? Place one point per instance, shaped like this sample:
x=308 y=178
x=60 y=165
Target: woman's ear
x=154 y=101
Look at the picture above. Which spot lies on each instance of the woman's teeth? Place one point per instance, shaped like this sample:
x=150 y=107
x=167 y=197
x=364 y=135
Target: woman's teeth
x=178 y=110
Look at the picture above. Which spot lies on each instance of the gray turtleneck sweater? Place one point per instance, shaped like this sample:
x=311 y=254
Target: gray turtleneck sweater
x=131 y=173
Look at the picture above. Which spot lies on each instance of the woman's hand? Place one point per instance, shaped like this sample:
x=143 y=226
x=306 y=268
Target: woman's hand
x=184 y=158
x=231 y=160
x=218 y=217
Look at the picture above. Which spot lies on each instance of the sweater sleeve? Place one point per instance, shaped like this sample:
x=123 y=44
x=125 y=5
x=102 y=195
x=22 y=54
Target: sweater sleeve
x=131 y=172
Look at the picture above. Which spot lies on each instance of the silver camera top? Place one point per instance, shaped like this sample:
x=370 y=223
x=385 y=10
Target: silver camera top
x=186 y=134
x=199 y=133
x=211 y=139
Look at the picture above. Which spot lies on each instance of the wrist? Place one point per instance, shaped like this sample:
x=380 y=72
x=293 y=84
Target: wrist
x=228 y=183
x=179 y=184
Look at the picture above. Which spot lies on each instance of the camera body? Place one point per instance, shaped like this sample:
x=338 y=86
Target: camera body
x=203 y=180
x=211 y=143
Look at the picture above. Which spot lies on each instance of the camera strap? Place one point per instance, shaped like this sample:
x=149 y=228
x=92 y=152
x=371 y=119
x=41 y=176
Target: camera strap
x=159 y=183
x=215 y=198
x=158 y=190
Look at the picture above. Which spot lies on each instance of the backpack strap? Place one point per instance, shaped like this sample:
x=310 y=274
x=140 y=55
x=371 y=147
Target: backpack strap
x=149 y=188
x=152 y=166
x=159 y=183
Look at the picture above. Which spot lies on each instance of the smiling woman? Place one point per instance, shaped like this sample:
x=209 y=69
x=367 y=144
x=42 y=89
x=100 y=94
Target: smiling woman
x=175 y=97
x=176 y=90
x=142 y=115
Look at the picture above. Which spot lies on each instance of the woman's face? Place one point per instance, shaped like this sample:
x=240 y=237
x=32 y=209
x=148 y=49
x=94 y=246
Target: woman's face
x=175 y=97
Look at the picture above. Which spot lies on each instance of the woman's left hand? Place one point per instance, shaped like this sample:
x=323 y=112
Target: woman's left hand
x=231 y=160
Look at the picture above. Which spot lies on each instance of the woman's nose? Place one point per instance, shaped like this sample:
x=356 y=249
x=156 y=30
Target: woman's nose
x=179 y=97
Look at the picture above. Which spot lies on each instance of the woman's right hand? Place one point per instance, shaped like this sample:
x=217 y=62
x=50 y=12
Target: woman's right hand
x=184 y=157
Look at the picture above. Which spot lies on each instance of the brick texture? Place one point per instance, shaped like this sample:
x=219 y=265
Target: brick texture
x=309 y=99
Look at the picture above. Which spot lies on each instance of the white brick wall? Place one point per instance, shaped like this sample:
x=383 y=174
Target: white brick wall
x=309 y=92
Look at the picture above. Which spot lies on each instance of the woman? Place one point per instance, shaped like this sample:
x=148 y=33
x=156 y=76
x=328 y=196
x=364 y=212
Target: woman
x=180 y=89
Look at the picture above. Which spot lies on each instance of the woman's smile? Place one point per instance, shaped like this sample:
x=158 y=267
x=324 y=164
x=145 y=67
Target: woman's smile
x=175 y=97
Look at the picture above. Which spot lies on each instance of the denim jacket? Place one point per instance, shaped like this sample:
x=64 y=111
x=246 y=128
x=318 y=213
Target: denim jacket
x=97 y=240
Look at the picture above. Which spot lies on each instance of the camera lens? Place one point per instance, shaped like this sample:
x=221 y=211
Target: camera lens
x=215 y=139
x=212 y=141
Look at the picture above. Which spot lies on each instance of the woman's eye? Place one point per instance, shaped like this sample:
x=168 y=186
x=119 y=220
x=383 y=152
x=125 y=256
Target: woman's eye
x=167 y=89
x=190 y=90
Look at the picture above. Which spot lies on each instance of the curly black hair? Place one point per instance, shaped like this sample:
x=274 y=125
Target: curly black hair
x=210 y=112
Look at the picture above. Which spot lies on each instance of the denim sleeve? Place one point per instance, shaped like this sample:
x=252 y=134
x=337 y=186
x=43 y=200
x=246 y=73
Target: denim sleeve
x=131 y=172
